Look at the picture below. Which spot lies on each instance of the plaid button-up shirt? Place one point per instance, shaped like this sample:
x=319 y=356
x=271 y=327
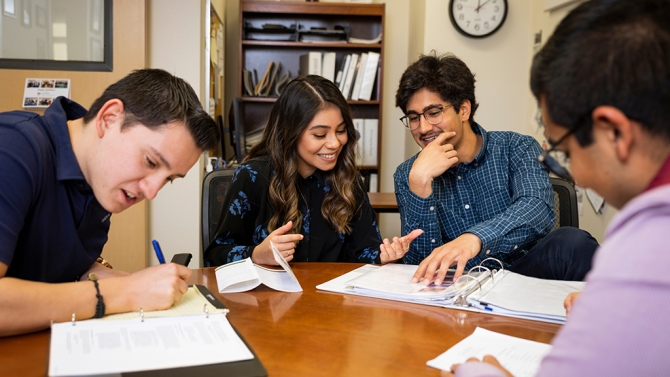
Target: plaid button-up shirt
x=503 y=196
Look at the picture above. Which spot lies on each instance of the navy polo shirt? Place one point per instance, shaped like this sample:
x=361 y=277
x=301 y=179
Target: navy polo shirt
x=52 y=228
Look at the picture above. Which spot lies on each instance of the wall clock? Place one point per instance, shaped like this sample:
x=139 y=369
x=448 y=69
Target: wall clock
x=477 y=18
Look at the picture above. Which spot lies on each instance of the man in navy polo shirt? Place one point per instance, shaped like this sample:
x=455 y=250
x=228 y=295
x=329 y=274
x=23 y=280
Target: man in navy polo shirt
x=61 y=177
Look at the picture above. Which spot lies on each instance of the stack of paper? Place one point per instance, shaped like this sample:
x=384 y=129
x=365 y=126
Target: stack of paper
x=502 y=293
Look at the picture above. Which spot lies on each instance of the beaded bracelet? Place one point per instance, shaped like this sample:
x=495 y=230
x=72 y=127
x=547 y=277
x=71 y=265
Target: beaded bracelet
x=100 y=306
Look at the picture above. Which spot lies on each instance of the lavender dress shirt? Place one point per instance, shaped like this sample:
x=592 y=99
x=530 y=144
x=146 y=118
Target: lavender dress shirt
x=620 y=325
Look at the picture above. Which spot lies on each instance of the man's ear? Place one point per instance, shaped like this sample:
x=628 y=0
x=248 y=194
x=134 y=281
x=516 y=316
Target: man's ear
x=617 y=127
x=110 y=113
x=464 y=110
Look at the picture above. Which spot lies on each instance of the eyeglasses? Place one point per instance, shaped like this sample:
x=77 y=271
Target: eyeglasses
x=551 y=157
x=433 y=115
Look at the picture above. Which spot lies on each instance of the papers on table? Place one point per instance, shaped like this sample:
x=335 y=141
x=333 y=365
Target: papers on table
x=106 y=347
x=506 y=294
x=526 y=296
x=192 y=302
x=244 y=275
x=394 y=280
x=520 y=356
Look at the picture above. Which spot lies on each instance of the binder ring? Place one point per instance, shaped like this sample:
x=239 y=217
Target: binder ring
x=480 y=267
x=502 y=268
x=141 y=315
x=460 y=299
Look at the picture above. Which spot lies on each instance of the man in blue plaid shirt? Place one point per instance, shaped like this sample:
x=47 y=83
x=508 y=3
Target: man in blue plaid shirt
x=476 y=194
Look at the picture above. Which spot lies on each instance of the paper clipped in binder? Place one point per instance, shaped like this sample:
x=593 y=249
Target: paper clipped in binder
x=195 y=334
x=481 y=289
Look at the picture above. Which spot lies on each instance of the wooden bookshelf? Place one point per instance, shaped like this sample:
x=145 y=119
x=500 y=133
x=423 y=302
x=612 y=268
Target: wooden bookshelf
x=365 y=21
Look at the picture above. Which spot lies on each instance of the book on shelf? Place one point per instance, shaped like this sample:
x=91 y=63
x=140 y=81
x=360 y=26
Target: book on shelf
x=194 y=336
x=310 y=63
x=482 y=289
x=341 y=73
x=349 y=78
x=264 y=82
x=374 y=182
x=328 y=65
x=249 y=84
x=370 y=136
x=267 y=87
x=281 y=83
x=359 y=126
x=244 y=275
x=369 y=75
x=358 y=80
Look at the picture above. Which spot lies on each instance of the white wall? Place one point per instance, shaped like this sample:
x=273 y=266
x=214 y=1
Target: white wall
x=174 y=216
x=397 y=44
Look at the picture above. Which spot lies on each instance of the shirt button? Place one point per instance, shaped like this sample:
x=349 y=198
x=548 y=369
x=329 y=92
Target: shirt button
x=467 y=206
x=432 y=208
x=516 y=247
x=488 y=252
x=432 y=241
x=459 y=177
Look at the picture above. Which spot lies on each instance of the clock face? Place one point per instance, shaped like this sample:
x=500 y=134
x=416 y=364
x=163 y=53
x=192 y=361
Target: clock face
x=478 y=18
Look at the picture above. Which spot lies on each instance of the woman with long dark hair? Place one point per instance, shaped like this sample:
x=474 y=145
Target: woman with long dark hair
x=299 y=188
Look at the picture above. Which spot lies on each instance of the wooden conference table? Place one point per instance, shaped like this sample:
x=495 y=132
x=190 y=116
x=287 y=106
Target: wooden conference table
x=316 y=333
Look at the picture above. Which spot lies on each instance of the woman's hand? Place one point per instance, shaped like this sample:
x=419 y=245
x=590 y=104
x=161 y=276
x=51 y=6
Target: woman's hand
x=285 y=244
x=390 y=252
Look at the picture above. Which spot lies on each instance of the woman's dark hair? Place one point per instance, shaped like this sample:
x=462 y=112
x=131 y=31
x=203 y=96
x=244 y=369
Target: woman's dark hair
x=154 y=98
x=300 y=101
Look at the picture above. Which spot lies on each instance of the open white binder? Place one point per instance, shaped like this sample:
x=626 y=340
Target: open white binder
x=499 y=292
x=193 y=333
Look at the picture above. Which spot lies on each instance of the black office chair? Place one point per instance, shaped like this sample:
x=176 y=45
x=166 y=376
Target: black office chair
x=214 y=188
x=565 y=203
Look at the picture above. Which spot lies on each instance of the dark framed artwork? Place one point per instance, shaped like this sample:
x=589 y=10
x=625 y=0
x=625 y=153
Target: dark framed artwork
x=95 y=19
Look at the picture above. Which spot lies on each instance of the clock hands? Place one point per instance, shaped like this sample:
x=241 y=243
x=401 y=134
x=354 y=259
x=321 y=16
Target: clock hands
x=480 y=6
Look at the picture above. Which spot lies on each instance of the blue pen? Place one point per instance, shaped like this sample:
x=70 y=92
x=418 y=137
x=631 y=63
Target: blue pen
x=159 y=253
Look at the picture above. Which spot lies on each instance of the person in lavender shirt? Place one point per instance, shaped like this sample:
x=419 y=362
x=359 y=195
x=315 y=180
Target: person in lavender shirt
x=603 y=86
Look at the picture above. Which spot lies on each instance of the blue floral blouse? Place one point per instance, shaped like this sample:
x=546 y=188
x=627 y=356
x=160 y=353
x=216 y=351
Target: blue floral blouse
x=247 y=210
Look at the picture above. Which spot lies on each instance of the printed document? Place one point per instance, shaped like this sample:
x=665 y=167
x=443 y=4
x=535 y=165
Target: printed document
x=245 y=275
x=106 y=347
x=520 y=356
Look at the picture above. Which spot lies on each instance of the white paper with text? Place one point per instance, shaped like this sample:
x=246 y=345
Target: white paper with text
x=520 y=356
x=104 y=347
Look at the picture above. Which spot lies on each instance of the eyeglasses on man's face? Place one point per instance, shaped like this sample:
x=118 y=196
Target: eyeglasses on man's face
x=551 y=157
x=433 y=115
